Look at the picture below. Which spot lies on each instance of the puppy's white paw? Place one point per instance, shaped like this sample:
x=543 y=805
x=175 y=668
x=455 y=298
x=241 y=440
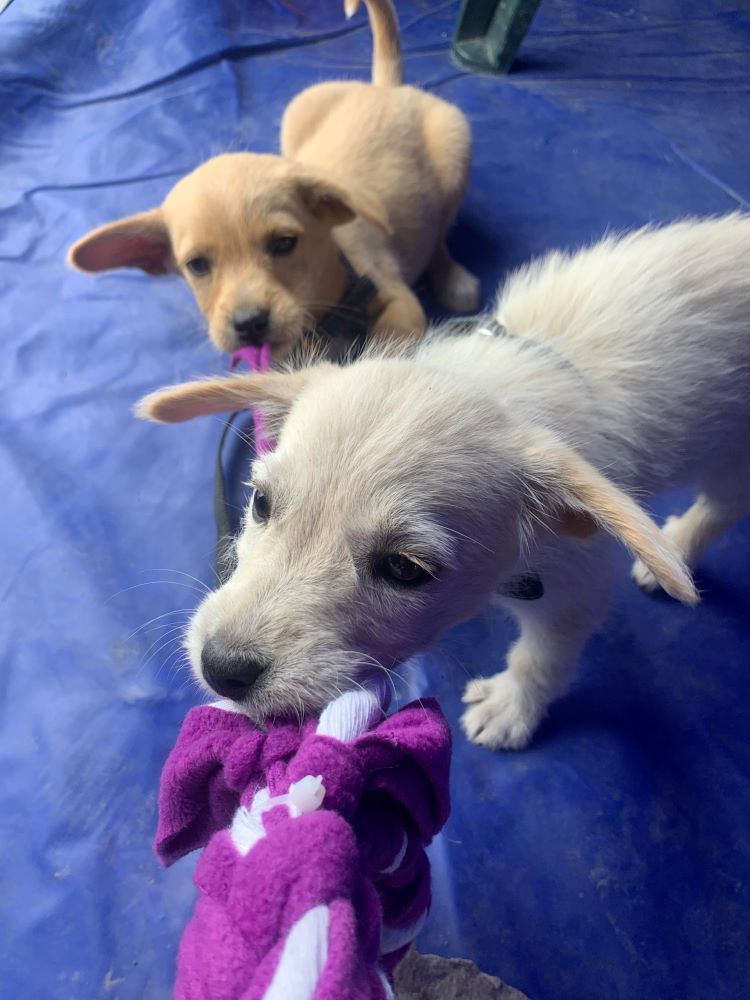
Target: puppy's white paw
x=502 y=714
x=644 y=577
x=459 y=291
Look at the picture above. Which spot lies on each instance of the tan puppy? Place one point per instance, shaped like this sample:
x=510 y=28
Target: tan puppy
x=373 y=171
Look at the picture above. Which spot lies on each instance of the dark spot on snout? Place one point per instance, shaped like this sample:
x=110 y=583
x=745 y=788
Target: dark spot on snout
x=251 y=326
x=228 y=670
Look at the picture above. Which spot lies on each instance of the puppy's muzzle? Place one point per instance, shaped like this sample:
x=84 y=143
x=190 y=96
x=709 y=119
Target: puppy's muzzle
x=230 y=672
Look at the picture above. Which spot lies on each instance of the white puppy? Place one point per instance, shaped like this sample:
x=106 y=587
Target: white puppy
x=407 y=491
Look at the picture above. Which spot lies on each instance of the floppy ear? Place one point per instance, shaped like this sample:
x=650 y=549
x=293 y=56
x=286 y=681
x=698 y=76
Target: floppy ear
x=139 y=241
x=577 y=499
x=334 y=205
x=274 y=392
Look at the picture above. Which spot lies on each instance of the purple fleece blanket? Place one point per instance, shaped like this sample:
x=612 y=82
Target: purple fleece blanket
x=314 y=879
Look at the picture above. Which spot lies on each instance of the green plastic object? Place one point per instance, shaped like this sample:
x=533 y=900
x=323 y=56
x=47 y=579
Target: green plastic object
x=489 y=32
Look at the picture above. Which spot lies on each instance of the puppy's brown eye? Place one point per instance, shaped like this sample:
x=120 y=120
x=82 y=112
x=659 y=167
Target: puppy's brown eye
x=260 y=507
x=399 y=569
x=281 y=246
x=199 y=267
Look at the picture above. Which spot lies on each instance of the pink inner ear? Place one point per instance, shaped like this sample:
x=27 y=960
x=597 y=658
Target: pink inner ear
x=150 y=252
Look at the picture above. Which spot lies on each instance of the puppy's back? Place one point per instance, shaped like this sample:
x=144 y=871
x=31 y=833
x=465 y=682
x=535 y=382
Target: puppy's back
x=658 y=321
x=657 y=287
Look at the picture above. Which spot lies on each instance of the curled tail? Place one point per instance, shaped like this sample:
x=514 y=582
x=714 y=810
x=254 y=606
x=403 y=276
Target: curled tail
x=387 y=64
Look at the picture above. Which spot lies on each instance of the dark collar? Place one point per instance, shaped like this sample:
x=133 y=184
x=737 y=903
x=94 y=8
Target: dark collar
x=488 y=326
x=491 y=327
x=345 y=328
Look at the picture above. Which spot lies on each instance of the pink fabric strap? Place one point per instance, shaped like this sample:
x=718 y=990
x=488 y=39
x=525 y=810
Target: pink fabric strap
x=257 y=359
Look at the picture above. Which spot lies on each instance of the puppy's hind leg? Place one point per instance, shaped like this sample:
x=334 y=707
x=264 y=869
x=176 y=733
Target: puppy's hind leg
x=455 y=288
x=721 y=503
x=448 y=141
x=505 y=710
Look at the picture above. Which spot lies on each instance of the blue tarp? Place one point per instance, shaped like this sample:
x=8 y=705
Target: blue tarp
x=610 y=860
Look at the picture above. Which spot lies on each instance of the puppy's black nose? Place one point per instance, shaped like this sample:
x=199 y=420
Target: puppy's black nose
x=251 y=326
x=228 y=671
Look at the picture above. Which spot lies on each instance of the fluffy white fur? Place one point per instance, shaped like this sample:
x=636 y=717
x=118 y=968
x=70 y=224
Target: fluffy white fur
x=628 y=371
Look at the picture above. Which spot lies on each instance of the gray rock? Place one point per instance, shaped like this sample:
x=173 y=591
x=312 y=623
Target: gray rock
x=429 y=977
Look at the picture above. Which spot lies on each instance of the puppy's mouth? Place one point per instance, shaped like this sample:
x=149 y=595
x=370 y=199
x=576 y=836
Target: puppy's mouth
x=280 y=332
x=267 y=704
x=257 y=358
x=295 y=695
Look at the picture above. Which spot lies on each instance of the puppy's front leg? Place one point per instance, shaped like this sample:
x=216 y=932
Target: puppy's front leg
x=401 y=317
x=505 y=710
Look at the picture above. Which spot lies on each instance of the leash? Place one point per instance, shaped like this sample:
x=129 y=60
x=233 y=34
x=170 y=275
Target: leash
x=225 y=528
